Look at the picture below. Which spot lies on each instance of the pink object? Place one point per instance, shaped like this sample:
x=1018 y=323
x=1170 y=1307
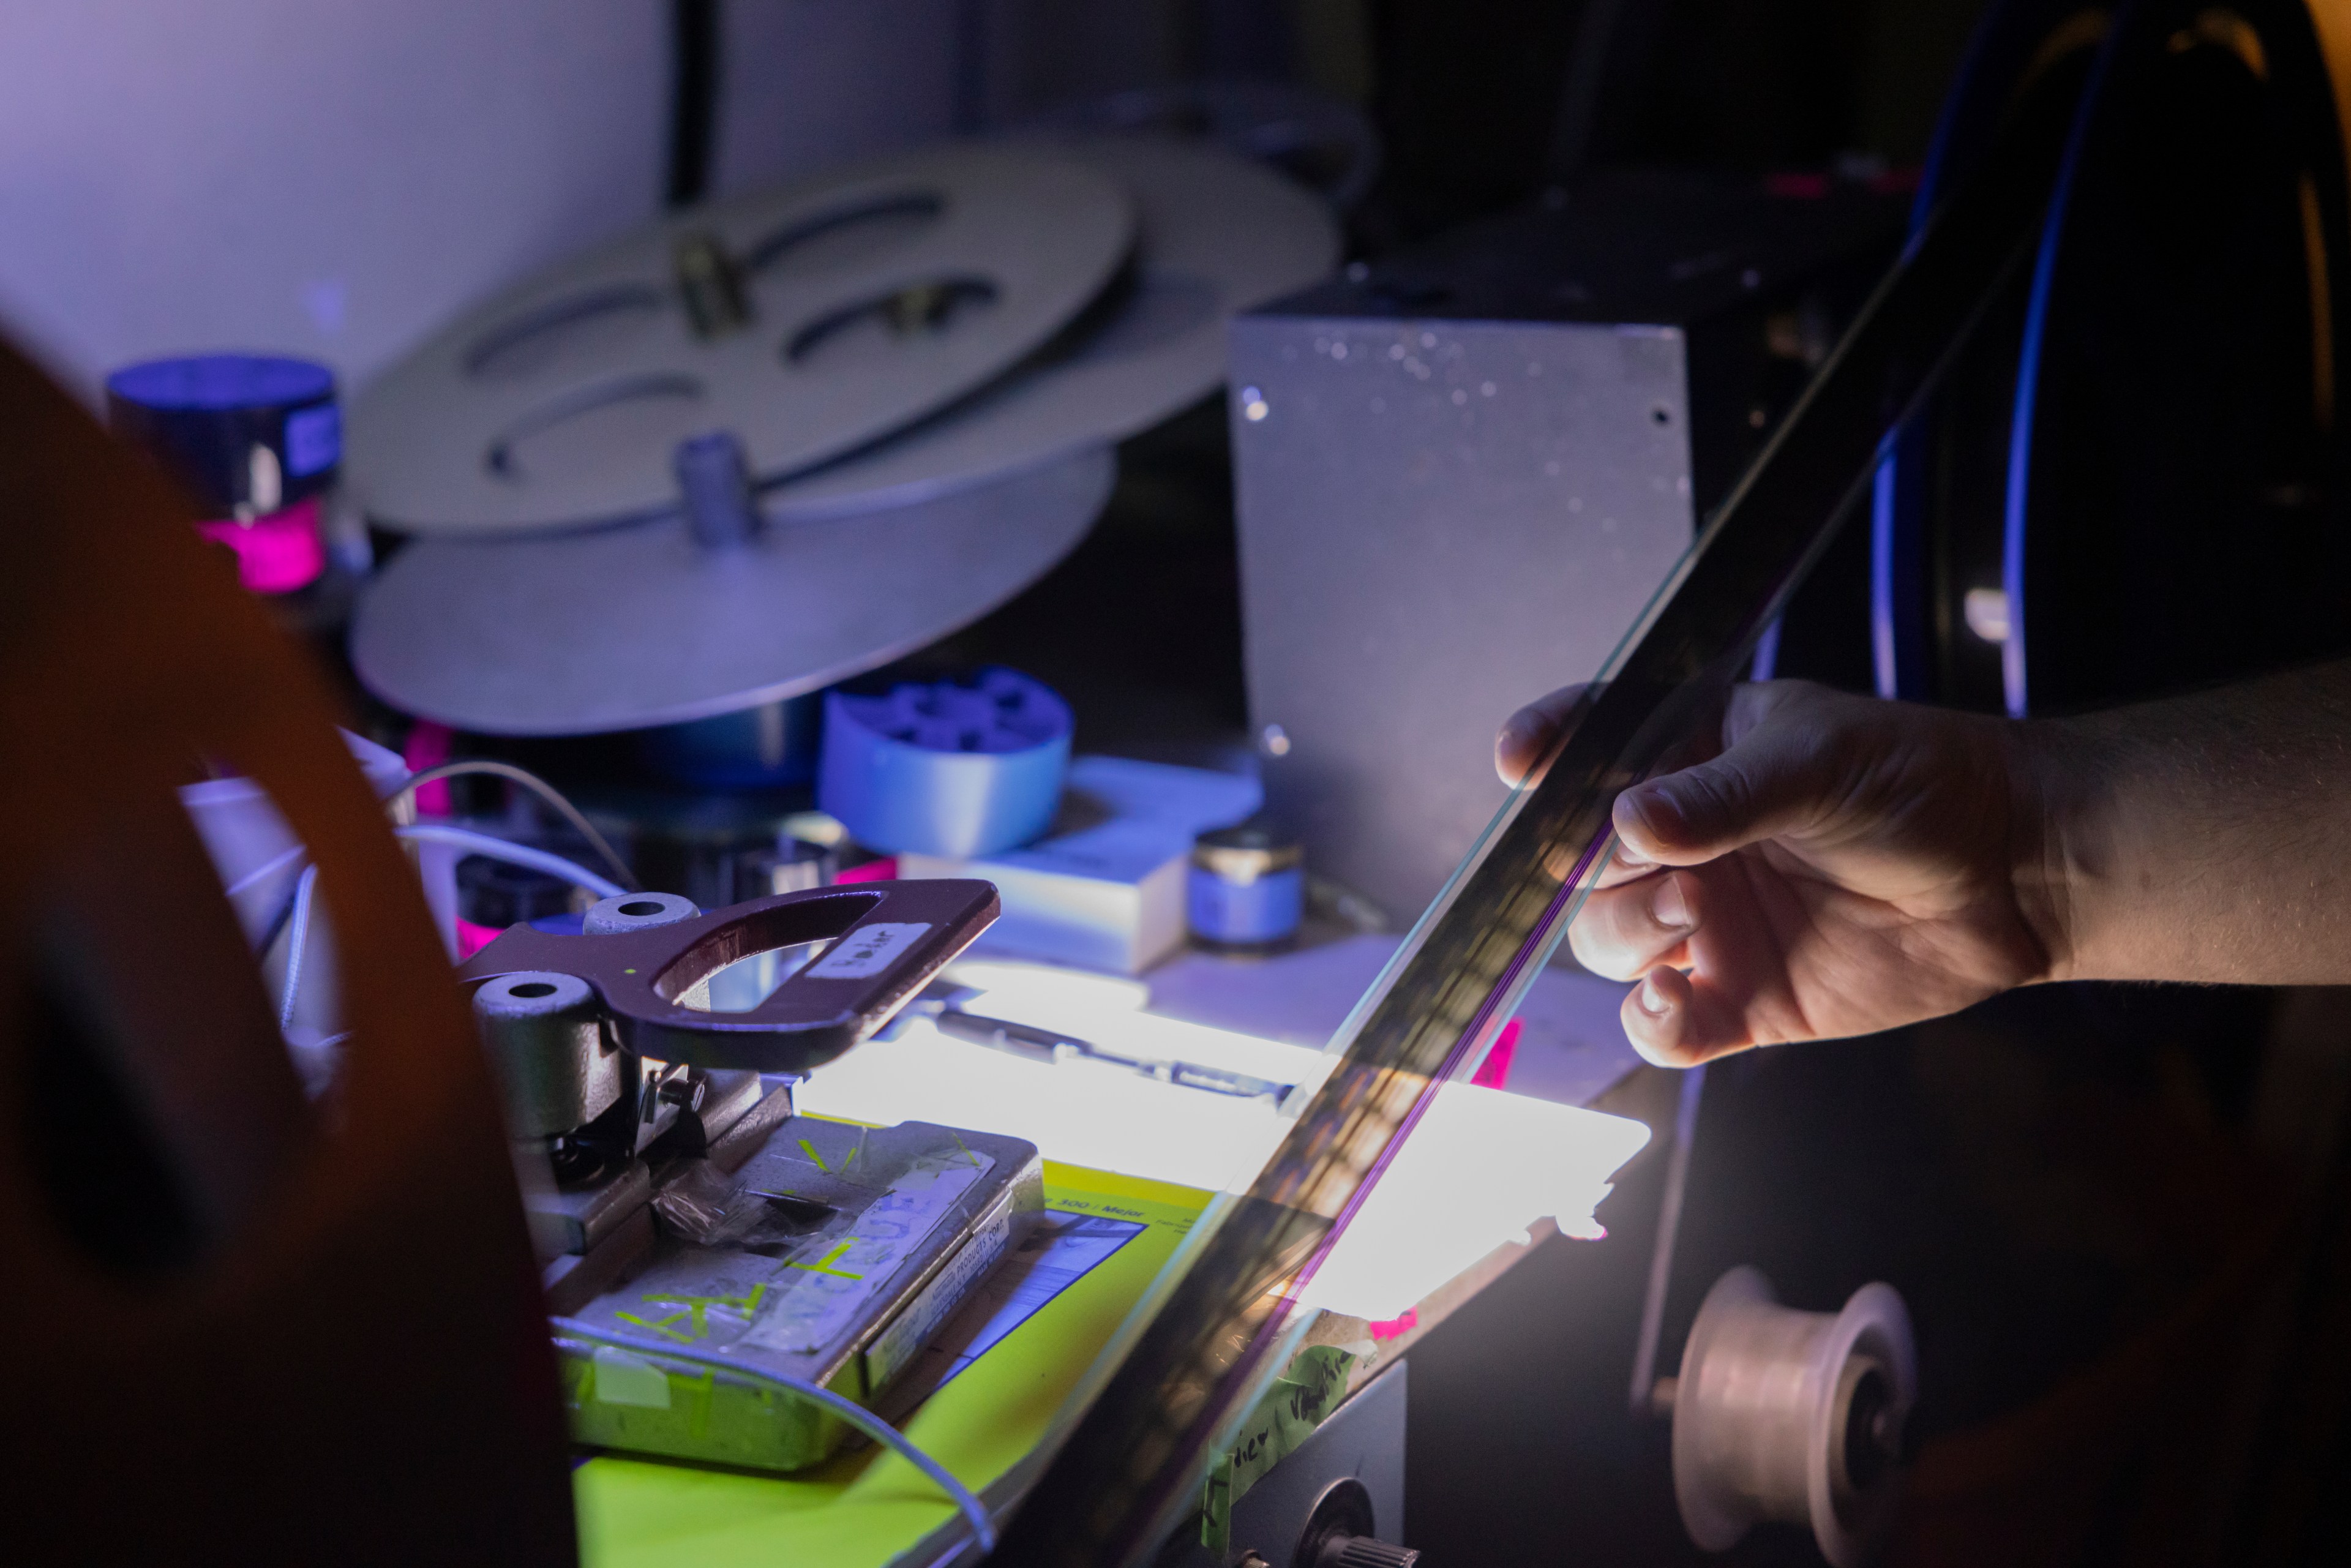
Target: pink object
x=884 y=869
x=429 y=746
x=274 y=554
x=1494 y=1073
x=473 y=938
x=1397 y=1328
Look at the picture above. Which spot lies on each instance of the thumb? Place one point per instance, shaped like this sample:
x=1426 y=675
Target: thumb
x=1770 y=781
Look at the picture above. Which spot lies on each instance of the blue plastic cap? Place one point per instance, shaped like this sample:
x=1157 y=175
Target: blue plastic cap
x=222 y=381
x=204 y=417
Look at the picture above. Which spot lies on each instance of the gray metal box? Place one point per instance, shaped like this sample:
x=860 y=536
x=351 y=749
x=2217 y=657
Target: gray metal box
x=1461 y=474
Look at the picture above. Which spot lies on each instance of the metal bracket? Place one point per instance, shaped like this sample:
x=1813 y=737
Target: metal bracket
x=887 y=940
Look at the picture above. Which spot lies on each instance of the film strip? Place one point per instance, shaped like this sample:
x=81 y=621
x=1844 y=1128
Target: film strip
x=1126 y=1472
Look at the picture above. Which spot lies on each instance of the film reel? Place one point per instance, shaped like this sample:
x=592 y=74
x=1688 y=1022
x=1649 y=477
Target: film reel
x=806 y=322
x=1218 y=235
x=628 y=628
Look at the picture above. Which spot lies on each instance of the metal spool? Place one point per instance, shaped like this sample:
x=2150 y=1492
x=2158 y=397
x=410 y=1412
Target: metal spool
x=629 y=628
x=1791 y=1416
x=807 y=321
x=1218 y=235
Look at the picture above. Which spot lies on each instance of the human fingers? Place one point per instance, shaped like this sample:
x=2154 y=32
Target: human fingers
x=1529 y=735
x=1625 y=932
x=1776 y=776
x=1674 y=1022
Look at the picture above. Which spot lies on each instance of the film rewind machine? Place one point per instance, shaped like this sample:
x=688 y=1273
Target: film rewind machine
x=806 y=1258
x=648 y=1106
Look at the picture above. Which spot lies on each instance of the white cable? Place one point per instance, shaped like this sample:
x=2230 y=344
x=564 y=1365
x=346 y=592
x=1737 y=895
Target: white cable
x=548 y=793
x=848 y=1409
x=298 y=940
x=498 y=849
x=267 y=870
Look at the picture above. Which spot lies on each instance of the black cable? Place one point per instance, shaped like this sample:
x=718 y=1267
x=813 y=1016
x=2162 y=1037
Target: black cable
x=695 y=49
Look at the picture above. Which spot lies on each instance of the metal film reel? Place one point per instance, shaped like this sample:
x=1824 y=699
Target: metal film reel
x=627 y=628
x=806 y=322
x=1218 y=234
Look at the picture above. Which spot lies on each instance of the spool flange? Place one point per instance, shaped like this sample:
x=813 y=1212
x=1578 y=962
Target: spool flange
x=1793 y=1415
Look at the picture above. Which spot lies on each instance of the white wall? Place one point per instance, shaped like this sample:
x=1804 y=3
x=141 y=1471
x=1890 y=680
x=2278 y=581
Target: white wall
x=323 y=177
x=335 y=178
x=808 y=83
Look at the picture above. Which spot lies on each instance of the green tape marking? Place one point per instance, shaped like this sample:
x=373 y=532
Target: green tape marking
x=1298 y=1401
x=824 y=1265
x=700 y=1305
x=660 y=1326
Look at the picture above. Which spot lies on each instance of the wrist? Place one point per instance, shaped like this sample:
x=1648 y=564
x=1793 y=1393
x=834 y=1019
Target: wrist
x=2060 y=807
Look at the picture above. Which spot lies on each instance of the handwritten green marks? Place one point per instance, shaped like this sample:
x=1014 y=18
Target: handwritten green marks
x=824 y=1265
x=693 y=1310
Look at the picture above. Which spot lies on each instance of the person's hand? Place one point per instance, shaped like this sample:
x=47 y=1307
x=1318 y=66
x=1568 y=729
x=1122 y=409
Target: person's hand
x=1835 y=866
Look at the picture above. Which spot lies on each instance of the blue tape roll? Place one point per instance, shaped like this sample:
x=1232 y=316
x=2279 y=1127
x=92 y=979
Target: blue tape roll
x=958 y=767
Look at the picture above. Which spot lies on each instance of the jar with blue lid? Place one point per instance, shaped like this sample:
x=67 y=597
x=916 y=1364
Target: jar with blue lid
x=256 y=443
x=1246 y=889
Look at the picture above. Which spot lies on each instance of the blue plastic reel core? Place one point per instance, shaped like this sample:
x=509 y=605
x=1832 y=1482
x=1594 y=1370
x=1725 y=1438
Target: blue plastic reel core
x=958 y=767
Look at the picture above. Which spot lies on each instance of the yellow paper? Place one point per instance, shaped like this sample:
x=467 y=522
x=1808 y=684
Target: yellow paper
x=864 y=1507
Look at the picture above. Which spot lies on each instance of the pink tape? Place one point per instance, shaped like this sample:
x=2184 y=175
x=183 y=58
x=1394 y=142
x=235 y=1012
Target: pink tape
x=473 y=938
x=429 y=746
x=274 y=554
x=1494 y=1073
x=883 y=870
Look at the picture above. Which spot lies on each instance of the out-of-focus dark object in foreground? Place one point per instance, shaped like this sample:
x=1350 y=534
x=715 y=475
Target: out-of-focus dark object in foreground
x=237 y=1354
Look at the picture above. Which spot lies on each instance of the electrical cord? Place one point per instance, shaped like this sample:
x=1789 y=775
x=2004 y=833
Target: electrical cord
x=287 y=859
x=491 y=847
x=474 y=767
x=297 y=941
x=298 y=945
x=849 y=1410
x=267 y=869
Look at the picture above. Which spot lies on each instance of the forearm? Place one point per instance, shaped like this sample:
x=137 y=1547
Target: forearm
x=2207 y=838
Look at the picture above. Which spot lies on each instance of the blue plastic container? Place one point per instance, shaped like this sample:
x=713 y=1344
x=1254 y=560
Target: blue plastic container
x=957 y=769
